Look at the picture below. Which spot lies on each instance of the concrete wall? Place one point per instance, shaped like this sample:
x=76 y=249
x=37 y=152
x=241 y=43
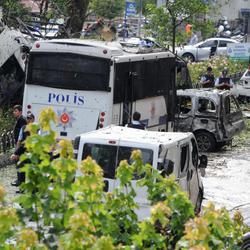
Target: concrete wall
x=229 y=8
x=232 y=8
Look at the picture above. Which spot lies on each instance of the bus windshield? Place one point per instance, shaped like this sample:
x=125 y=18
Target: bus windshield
x=68 y=71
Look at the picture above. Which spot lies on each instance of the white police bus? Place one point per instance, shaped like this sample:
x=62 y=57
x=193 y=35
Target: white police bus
x=91 y=84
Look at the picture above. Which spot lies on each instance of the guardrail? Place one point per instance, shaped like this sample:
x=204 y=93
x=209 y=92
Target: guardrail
x=7 y=141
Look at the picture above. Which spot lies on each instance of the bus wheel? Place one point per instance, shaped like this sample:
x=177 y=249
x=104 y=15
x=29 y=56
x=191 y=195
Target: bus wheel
x=205 y=141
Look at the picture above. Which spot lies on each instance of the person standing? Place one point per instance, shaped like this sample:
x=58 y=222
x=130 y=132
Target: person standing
x=248 y=72
x=194 y=39
x=20 y=149
x=207 y=80
x=135 y=123
x=20 y=122
x=224 y=82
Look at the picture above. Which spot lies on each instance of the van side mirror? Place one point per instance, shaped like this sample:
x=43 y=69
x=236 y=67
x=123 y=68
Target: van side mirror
x=203 y=161
x=167 y=167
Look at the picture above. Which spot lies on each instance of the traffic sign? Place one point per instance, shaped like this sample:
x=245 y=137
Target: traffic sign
x=238 y=51
x=130 y=8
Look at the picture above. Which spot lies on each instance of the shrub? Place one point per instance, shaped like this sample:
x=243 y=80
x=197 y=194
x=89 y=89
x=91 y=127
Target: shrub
x=77 y=214
x=218 y=63
x=6 y=120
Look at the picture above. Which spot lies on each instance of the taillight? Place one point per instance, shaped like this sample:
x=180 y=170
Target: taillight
x=101 y=119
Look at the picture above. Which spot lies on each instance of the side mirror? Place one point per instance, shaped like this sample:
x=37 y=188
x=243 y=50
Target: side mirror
x=203 y=161
x=167 y=167
x=203 y=164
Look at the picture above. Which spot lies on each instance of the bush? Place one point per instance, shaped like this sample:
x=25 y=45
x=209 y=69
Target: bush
x=6 y=120
x=77 y=214
x=218 y=63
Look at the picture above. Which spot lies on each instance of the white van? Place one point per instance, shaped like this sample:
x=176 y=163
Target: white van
x=176 y=153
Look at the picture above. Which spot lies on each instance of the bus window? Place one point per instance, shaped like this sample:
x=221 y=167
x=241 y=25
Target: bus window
x=68 y=71
x=141 y=79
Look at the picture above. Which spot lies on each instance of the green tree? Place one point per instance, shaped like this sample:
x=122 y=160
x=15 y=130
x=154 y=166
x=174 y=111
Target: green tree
x=144 y=4
x=76 y=11
x=107 y=8
x=173 y=14
x=13 y=9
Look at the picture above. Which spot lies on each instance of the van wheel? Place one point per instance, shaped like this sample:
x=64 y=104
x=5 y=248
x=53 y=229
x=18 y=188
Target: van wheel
x=199 y=202
x=205 y=141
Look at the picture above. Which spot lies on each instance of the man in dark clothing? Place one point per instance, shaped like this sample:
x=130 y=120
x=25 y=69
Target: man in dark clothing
x=207 y=80
x=224 y=82
x=20 y=121
x=136 y=121
x=20 y=149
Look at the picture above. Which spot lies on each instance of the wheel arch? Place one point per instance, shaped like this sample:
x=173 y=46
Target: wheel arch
x=204 y=131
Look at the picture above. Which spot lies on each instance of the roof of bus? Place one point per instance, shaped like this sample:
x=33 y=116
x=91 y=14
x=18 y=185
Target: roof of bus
x=94 y=48
x=127 y=134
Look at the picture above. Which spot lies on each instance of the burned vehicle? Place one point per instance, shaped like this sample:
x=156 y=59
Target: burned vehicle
x=214 y=116
x=14 y=50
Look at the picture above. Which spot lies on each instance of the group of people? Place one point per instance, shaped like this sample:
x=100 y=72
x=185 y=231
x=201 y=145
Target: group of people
x=223 y=82
x=20 y=134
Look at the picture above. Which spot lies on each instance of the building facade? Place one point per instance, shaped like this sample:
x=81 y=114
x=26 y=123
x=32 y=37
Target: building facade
x=232 y=9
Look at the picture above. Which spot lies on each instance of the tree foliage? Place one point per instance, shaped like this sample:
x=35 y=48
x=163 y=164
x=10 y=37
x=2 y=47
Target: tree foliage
x=172 y=15
x=13 y=9
x=108 y=9
x=59 y=211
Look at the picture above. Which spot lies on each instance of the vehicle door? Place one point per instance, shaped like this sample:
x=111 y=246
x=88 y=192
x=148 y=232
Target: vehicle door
x=204 y=50
x=183 y=176
x=194 y=180
x=124 y=153
x=206 y=115
x=222 y=47
x=233 y=119
x=184 y=114
x=106 y=156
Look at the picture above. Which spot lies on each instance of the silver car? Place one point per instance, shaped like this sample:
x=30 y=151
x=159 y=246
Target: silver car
x=202 y=50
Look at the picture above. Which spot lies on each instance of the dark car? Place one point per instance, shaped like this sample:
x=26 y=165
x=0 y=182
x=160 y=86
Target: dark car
x=214 y=116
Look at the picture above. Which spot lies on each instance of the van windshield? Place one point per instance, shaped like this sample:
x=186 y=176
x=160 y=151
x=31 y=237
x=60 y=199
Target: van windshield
x=109 y=156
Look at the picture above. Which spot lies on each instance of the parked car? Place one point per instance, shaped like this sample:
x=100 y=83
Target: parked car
x=214 y=116
x=170 y=153
x=202 y=50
